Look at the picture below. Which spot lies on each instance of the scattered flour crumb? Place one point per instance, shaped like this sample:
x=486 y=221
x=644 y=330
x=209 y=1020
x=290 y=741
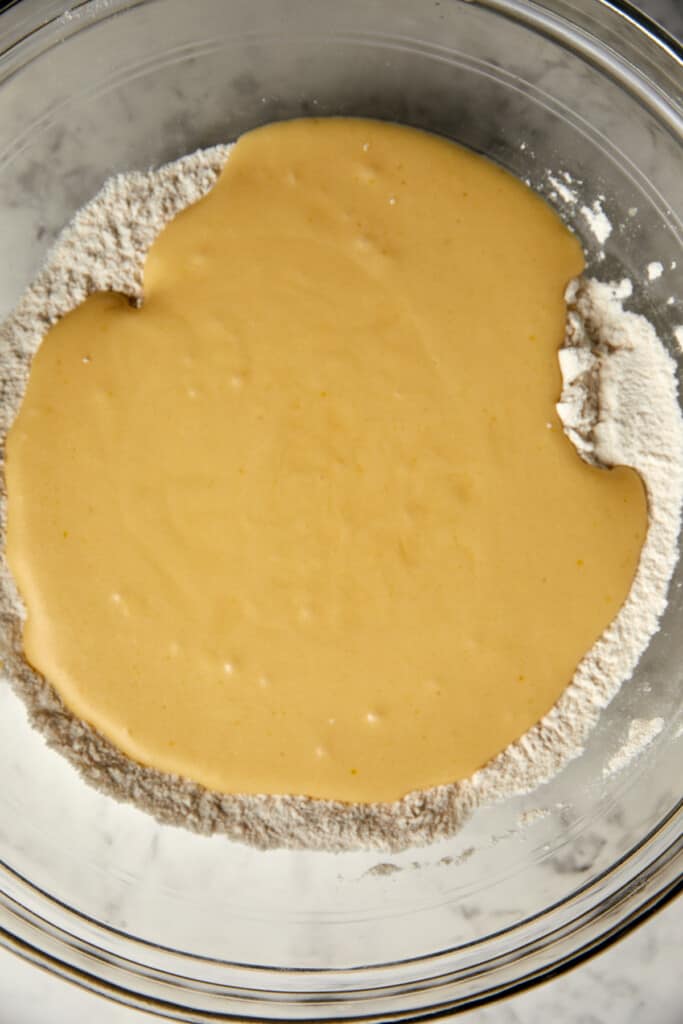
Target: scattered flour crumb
x=562 y=188
x=383 y=869
x=654 y=270
x=641 y=733
x=678 y=335
x=597 y=220
x=535 y=814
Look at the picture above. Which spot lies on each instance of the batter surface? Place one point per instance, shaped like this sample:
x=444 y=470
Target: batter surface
x=307 y=522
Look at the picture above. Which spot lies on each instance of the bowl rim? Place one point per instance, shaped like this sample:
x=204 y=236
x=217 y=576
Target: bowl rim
x=659 y=33
x=638 y=897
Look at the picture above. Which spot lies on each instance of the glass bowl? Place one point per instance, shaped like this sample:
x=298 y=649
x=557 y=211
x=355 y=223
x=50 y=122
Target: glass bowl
x=202 y=928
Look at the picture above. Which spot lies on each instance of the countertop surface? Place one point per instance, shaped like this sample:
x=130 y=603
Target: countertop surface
x=637 y=979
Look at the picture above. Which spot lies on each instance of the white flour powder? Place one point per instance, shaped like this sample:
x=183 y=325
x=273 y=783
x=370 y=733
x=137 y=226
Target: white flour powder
x=641 y=732
x=597 y=220
x=618 y=406
x=562 y=187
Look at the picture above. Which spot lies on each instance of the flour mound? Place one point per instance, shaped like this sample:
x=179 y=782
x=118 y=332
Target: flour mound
x=618 y=406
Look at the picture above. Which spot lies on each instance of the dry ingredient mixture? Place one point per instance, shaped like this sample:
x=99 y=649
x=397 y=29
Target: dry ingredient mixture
x=618 y=406
x=641 y=732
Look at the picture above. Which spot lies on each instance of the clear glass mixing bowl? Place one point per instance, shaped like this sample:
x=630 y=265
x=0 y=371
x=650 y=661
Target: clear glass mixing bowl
x=203 y=928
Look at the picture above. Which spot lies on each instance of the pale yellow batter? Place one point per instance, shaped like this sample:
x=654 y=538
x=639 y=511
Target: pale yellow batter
x=307 y=521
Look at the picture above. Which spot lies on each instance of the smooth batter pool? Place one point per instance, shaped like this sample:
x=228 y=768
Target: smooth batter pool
x=307 y=521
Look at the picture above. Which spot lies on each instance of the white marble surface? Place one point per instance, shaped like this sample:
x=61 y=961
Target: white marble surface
x=638 y=979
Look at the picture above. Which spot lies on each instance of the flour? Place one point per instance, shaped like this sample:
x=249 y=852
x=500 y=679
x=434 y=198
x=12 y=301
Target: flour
x=641 y=732
x=597 y=220
x=618 y=405
x=568 y=191
x=562 y=187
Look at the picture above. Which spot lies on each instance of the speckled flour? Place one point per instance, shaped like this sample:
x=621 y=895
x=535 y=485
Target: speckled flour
x=641 y=732
x=618 y=405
